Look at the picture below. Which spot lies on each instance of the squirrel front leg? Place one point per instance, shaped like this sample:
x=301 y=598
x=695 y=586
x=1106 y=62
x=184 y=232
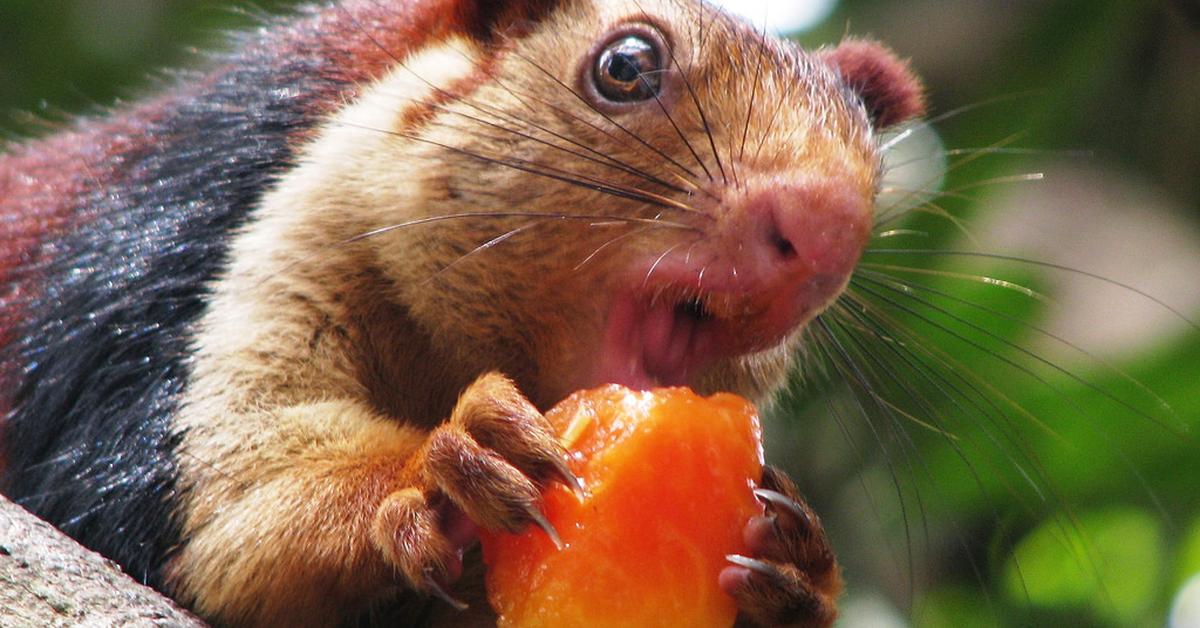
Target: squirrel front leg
x=486 y=466
x=329 y=506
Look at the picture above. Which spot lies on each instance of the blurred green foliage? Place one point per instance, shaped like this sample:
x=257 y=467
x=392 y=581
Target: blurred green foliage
x=77 y=55
x=994 y=488
x=1063 y=484
x=1117 y=570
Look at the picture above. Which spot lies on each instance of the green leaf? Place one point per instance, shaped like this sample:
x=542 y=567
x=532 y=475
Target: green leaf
x=1109 y=563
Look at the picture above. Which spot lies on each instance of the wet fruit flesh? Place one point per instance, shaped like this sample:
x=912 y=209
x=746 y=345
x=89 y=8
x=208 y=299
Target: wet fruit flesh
x=669 y=480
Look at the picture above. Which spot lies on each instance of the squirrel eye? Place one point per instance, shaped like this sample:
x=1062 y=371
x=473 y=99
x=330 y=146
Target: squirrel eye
x=629 y=70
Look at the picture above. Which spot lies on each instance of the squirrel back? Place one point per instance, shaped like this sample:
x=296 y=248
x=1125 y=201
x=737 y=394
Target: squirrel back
x=111 y=232
x=228 y=367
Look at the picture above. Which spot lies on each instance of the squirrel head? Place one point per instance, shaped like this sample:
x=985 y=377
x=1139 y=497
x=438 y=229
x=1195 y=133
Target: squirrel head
x=645 y=192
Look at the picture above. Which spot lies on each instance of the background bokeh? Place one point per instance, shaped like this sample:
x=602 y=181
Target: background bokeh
x=1049 y=471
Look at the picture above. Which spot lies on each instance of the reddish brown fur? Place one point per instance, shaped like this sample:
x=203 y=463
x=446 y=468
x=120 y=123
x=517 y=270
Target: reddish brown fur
x=44 y=185
x=311 y=348
x=886 y=84
x=420 y=114
x=315 y=452
x=41 y=187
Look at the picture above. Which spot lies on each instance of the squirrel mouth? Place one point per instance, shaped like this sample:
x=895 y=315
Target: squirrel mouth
x=672 y=335
x=658 y=341
x=780 y=254
x=677 y=338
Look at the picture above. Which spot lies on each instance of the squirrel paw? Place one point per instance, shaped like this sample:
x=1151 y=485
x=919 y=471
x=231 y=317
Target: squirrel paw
x=484 y=467
x=792 y=579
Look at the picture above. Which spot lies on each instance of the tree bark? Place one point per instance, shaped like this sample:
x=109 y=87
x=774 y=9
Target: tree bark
x=47 y=579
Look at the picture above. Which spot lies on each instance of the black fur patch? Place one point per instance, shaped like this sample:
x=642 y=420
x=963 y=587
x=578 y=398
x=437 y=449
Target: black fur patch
x=90 y=443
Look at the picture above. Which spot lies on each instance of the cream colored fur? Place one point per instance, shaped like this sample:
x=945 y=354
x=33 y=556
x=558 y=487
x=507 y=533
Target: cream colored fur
x=278 y=429
x=325 y=358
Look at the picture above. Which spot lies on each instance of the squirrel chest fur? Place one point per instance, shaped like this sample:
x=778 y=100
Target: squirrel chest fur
x=277 y=341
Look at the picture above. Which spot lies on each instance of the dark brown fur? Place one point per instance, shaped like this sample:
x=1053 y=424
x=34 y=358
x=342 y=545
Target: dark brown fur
x=359 y=393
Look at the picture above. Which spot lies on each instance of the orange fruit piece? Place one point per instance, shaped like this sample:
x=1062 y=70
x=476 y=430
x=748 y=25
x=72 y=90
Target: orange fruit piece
x=669 y=479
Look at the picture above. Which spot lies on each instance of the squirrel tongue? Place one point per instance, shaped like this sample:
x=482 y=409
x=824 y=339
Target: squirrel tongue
x=648 y=346
x=666 y=338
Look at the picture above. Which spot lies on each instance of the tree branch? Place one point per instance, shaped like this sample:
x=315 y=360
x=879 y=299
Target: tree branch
x=47 y=579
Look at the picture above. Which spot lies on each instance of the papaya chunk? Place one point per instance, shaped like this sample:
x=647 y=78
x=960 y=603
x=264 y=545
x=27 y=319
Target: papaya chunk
x=668 y=488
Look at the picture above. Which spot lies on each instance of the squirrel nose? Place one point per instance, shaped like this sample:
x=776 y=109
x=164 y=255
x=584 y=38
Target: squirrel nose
x=813 y=229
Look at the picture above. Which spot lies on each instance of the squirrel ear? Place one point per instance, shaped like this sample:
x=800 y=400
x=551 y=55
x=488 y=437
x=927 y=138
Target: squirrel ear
x=887 y=86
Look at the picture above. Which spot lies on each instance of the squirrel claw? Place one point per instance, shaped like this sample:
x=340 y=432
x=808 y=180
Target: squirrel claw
x=755 y=565
x=568 y=477
x=775 y=499
x=791 y=576
x=542 y=522
x=434 y=588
